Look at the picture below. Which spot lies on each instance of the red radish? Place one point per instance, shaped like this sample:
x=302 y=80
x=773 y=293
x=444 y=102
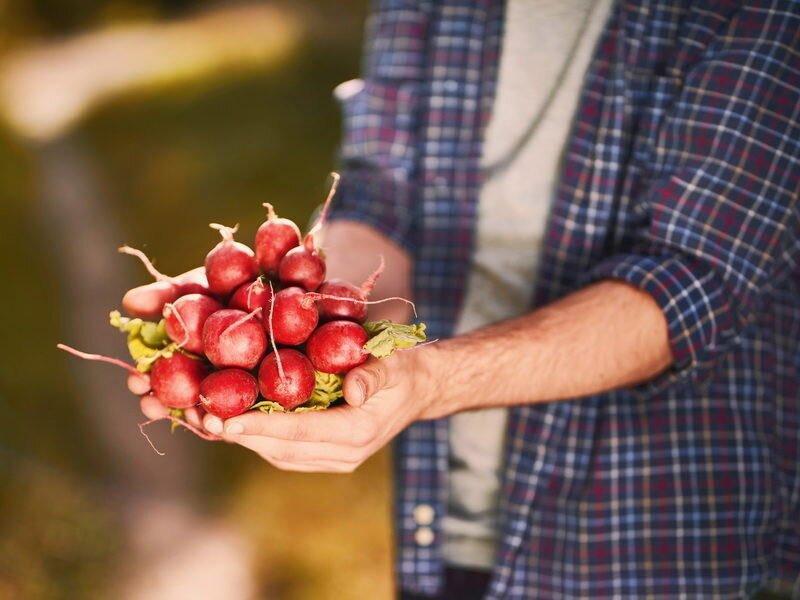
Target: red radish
x=234 y=338
x=331 y=309
x=343 y=300
x=337 y=347
x=228 y=392
x=176 y=380
x=184 y=320
x=286 y=377
x=230 y=263
x=293 y=317
x=303 y=266
x=250 y=296
x=274 y=238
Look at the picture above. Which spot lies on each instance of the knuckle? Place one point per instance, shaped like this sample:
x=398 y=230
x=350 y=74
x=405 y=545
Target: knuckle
x=298 y=432
x=375 y=378
x=286 y=456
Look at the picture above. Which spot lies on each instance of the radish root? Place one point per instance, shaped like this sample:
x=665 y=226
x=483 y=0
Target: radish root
x=316 y=296
x=238 y=322
x=272 y=335
x=99 y=357
x=198 y=432
x=170 y=309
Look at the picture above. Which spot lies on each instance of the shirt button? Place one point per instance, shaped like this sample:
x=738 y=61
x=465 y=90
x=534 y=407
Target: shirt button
x=423 y=536
x=423 y=514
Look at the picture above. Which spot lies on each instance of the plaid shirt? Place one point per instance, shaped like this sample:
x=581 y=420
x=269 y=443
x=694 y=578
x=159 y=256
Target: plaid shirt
x=681 y=177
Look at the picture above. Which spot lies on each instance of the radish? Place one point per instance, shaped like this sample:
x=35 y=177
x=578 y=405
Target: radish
x=286 y=377
x=229 y=264
x=304 y=265
x=234 y=338
x=341 y=299
x=228 y=392
x=250 y=296
x=176 y=380
x=274 y=238
x=293 y=317
x=352 y=305
x=337 y=347
x=184 y=320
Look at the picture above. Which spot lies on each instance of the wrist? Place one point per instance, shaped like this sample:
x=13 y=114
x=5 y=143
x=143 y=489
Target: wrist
x=430 y=374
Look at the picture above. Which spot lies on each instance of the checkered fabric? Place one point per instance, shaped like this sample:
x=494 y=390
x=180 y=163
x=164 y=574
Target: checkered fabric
x=681 y=177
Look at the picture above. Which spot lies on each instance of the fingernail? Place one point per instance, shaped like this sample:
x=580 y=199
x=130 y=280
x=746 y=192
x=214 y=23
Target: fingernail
x=214 y=425
x=234 y=428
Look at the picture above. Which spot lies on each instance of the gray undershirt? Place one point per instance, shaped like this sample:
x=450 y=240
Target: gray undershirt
x=547 y=45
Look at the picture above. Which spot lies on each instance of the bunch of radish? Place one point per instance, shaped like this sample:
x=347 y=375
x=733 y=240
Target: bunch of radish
x=257 y=329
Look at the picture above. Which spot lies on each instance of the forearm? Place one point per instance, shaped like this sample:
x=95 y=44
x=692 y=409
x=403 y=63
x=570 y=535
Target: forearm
x=606 y=336
x=354 y=250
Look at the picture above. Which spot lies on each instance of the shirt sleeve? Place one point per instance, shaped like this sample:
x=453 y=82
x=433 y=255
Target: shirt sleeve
x=724 y=225
x=380 y=111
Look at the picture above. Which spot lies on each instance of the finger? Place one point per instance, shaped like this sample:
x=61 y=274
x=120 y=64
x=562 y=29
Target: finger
x=363 y=382
x=307 y=453
x=192 y=281
x=148 y=300
x=152 y=408
x=139 y=384
x=194 y=416
x=339 y=425
x=315 y=467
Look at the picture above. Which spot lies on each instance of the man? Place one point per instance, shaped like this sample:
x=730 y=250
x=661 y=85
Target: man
x=650 y=445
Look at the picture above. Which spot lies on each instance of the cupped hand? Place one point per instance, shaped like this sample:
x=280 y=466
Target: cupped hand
x=383 y=397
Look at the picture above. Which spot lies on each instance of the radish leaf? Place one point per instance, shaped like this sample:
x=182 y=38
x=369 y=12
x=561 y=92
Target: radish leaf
x=385 y=336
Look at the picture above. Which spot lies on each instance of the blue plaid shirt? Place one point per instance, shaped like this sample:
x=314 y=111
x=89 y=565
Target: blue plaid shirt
x=681 y=177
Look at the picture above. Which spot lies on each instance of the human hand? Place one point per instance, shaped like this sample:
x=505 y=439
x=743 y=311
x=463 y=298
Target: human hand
x=383 y=397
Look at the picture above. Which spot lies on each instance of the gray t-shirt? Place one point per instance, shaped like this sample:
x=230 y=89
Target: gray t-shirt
x=547 y=46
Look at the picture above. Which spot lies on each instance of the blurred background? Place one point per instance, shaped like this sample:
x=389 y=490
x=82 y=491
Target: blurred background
x=139 y=122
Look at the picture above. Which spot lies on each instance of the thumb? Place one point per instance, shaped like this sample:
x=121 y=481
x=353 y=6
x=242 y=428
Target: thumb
x=365 y=381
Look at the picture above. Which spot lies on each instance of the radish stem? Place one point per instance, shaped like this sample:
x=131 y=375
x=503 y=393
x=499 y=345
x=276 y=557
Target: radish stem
x=323 y=216
x=157 y=275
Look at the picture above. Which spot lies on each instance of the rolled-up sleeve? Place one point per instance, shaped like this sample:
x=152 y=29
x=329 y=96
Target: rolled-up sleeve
x=380 y=120
x=723 y=226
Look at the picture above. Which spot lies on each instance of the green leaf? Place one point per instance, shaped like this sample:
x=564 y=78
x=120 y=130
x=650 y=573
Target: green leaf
x=145 y=338
x=178 y=414
x=328 y=389
x=268 y=406
x=385 y=336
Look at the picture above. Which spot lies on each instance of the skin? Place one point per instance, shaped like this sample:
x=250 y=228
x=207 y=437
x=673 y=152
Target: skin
x=605 y=336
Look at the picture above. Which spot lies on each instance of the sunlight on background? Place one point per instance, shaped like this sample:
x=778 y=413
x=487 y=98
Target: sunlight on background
x=44 y=90
x=140 y=122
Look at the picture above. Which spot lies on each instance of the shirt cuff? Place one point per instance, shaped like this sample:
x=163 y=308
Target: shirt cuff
x=700 y=318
